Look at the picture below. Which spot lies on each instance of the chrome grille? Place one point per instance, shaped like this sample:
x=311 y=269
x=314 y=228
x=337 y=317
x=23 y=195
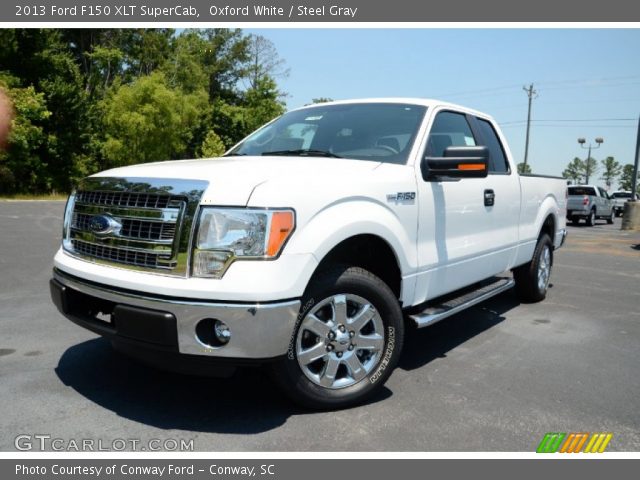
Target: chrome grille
x=119 y=255
x=124 y=199
x=132 y=228
x=141 y=224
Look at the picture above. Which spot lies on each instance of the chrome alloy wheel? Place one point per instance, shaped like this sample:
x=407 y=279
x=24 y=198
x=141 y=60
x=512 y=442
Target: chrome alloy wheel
x=544 y=268
x=340 y=341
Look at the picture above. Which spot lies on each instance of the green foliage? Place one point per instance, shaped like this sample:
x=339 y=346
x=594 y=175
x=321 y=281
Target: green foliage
x=148 y=121
x=89 y=99
x=626 y=179
x=212 y=146
x=263 y=103
x=612 y=170
x=524 y=168
x=21 y=165
x=574 y=171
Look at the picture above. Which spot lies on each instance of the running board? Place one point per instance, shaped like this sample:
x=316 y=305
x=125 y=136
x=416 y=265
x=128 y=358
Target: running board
x=434 y=313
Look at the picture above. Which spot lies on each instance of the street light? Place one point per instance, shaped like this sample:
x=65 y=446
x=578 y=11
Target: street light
x=582 y=141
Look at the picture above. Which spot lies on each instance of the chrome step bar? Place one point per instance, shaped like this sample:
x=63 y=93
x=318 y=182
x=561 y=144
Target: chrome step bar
x=434 y=313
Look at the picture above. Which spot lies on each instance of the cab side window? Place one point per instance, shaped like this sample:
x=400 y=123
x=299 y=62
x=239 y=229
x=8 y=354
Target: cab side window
x=497 y=158
x=449 y=129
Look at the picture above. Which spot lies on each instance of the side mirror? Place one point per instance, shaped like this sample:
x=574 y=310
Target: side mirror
x=458 y=162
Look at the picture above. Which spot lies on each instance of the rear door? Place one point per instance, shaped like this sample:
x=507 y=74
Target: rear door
x=463 y=236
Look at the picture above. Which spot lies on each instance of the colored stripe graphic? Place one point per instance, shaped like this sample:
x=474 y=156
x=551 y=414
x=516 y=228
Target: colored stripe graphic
x=574 y=442
x=555 y=442
x=598 y=442
x=550 y=442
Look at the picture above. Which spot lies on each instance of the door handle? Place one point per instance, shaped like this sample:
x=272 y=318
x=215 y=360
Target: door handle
x=489 y=198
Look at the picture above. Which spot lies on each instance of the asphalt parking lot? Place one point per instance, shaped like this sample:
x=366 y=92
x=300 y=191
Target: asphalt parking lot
x=494 y=378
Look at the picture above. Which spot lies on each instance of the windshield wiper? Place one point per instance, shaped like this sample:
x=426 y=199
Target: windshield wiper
x=303 y=152
x=235 y=154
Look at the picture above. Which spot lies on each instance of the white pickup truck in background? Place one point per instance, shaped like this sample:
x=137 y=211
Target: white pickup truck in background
x=309 y=245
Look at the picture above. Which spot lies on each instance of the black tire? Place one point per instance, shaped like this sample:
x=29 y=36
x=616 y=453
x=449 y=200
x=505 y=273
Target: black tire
x=527 y=277
x=575 y=220
x=611 y=217
x=325 y=287
x=591 y=219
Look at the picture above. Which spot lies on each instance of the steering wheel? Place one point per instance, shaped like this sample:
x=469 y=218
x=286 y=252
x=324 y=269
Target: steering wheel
x=388 y=148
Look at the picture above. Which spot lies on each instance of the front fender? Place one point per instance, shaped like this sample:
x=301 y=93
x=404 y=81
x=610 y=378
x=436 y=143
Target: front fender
x=342 y=220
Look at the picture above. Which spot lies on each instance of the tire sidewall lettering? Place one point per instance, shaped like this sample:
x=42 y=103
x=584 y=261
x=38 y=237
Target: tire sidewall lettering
x=386 y=358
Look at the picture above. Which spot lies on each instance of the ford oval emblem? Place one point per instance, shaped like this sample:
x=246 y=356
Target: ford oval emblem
x=102 y=224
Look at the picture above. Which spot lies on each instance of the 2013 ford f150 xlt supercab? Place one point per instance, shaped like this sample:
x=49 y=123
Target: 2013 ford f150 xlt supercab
x=308 y=246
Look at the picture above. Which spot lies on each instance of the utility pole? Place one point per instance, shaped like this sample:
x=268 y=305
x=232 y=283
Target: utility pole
x=634 y=184
x=530 y=93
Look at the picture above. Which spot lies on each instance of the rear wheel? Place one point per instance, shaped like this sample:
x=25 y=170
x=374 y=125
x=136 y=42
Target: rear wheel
x=575 y=220
x=347 y=340
x=591 y=219
x=532 y=279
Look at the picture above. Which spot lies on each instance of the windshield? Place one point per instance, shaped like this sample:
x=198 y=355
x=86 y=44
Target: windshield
x=383 y=132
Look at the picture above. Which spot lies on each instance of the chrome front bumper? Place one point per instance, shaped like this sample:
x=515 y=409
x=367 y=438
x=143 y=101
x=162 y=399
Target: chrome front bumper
x=258 y=330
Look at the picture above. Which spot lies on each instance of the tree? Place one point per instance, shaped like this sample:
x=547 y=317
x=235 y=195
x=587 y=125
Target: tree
x=263 y=104
x=89 y=99
x=148 y=121
x=40 y=58
x=224 y=61
x=22 y=168
x=626 y=179
x=212 y=146
x=574 y=171
x=264 y=61
x=524 y=168
x=611 y=171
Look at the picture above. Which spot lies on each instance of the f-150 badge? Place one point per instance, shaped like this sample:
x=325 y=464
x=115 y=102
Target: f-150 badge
x=401 y=196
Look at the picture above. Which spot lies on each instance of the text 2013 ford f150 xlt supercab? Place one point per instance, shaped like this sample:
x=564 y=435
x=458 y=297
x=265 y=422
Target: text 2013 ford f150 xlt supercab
x=308 y=246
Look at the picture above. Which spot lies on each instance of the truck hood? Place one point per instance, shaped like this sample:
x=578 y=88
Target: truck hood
x=233 y=179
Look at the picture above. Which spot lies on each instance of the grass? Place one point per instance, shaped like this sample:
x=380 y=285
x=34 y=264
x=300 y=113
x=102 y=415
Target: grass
x=26 y=196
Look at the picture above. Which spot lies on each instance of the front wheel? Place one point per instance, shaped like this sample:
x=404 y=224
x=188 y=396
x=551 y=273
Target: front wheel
x=532 y=279
x=612 y=217
x=347 y=340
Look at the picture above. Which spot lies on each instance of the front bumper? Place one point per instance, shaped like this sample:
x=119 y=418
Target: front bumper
x=259 y=331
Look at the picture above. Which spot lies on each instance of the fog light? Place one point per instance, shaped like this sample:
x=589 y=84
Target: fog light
x=212 y=333
x=223 y=334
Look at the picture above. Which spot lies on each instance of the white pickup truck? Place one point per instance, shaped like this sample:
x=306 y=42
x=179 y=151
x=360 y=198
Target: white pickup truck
x=308 y=246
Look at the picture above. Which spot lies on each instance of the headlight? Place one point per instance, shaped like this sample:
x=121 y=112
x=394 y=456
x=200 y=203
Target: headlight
x=227 y=234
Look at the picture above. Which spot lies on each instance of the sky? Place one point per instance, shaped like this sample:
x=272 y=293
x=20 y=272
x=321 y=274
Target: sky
x=588 y=80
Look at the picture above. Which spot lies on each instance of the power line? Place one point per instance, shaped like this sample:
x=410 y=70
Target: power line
x=579 y=81
x=559 y=84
